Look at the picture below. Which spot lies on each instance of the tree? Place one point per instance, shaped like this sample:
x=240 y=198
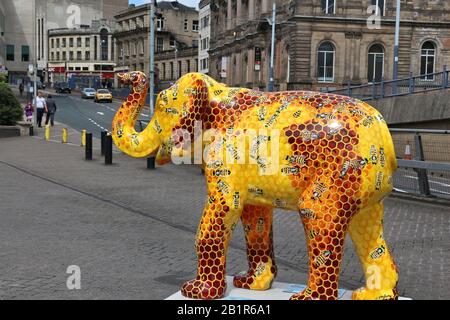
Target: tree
x=10 y=108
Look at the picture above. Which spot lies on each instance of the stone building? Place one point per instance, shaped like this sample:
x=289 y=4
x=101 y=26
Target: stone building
x=326 y=43
x=176 y=27
x=85 y=53
x=2 y=37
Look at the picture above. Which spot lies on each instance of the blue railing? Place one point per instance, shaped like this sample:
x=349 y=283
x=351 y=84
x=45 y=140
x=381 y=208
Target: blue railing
x=399 y=87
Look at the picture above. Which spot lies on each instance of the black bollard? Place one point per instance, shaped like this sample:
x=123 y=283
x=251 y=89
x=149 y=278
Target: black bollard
x=108 y=149
x=151 y=163
x=88 y=146
x=31 y=132
x=103 y=140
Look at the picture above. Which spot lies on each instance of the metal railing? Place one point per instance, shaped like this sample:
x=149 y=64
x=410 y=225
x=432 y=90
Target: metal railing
x=425 y=170
x=399 y=87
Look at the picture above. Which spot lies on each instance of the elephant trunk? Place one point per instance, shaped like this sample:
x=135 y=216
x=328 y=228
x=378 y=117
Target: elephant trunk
x=126 y=138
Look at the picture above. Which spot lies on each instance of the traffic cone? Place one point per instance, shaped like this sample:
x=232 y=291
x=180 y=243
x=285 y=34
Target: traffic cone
x=407 y=155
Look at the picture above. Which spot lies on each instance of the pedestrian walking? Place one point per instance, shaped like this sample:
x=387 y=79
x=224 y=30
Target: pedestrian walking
x=29 y=111
x=40 y=106
x=51 y=110
x=21 y=87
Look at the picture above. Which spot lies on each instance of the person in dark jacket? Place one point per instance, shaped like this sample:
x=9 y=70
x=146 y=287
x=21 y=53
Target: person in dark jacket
x=51 y=110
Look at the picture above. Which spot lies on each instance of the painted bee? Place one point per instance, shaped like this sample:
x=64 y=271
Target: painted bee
x=319 y=190
x=308 y=135
x=382 y=157
x=175 y=92
x=307 y=213
x=215 y=164
x=223 y=186
x=135 y=139
x=236 y=200
x=325 y=116
x=185 y=110
x=233 y=151
x=211 y=199
x=157 y=127
x=367 y=122
x=221 y=173
x=280 y=203
x=379 y=180
x=297 y=114
x=171 y=111
x=262 y=111
x=290 y=170
x=313 y=234
x=260 y=225
x=217 y=92
x=259 y=269
x=322 y=258
x=256 y=191
x=296 y=159
x=373 y=154
x=378 y=252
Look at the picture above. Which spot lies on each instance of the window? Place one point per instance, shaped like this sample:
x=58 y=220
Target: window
x=53 y=56
x=78 y=42
x=77 y=68
x=171 y=70
x=172 y=42
x=10 y=52
x=325 y=66
x=57 y=43
x=58 y=56
x=160 y=23
x=71 y=42
x=186 y=28
x=159 y=44
x=79 y=55
x=375 y=63
x=25 y=53
x=179 y=70
x=64 y=55
x=205 y=43
x=194 y=25
x=104 y=45
x=87 y=42
x=188 y=65
x=204 y=64
x=85 y=68
x=195 y=43
x=71 y=55
x=163 y=71
x=380 y=7
x=427 y=60
x=53 y=43
x=328 y=6
x=63 y=42
x=87 y=55
x=204 y=22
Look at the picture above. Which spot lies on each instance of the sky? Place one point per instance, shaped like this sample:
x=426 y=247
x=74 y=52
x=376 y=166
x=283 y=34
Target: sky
x=189 y=3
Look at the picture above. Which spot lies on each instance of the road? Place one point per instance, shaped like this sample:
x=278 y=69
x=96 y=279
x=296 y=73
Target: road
x=82 y=114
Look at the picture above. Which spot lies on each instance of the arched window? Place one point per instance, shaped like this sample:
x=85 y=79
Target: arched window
x=325 y=62
x=428 y=60
x=375 y=68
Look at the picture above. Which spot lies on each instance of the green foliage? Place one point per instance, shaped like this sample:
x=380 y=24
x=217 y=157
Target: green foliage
x=10 y=108
x=3 y=78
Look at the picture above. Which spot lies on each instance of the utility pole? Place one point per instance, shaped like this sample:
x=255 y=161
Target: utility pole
x=272 y=49
x=396 y=43
x=152 y=55
x=35 y=62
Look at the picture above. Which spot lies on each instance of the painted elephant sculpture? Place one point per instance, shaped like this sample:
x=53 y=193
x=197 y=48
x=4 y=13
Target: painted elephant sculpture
x=328 y=157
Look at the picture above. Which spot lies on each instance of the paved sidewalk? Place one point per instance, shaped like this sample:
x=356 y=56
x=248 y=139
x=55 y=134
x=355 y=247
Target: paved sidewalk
x=131 y=231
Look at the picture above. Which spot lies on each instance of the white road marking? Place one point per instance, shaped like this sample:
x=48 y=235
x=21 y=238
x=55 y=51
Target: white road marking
x=101 y=113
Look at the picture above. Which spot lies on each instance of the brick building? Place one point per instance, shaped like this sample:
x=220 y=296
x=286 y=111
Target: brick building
x=326 y=43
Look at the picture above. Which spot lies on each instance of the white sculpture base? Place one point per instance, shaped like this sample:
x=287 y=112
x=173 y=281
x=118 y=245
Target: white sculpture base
x=279 y=291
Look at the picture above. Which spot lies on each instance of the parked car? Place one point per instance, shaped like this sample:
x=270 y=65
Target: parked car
x=39 y=85
x=62 y=87
x=103 y=95
x=88 y=93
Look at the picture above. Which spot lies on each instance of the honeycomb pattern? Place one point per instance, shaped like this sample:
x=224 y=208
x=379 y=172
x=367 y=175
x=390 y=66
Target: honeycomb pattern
x=329 y=157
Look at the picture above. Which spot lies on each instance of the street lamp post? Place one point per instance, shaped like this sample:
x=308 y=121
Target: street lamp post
x=152 y=54
x=272 y=50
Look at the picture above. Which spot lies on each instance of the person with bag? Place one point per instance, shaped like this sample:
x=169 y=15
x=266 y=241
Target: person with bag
x=51 y=110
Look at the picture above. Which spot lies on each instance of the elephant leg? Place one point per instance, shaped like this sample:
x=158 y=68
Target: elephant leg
x=257 y=222
x=325 y=217
x=366 y=232
x=219 y=220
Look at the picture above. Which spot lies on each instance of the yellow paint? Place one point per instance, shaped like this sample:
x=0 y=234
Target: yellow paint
x=64 y=135
x=83 y=138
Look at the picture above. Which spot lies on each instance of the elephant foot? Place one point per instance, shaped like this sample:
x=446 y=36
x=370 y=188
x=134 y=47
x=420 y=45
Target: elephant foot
x=308 y=294
x=255 y=280
x=197 y=289
x=368 y=294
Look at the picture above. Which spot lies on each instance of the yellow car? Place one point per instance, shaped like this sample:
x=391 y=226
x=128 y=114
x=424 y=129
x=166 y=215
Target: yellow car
x=103 y=95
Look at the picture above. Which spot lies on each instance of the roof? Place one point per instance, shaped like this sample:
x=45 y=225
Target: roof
x=175 y=5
